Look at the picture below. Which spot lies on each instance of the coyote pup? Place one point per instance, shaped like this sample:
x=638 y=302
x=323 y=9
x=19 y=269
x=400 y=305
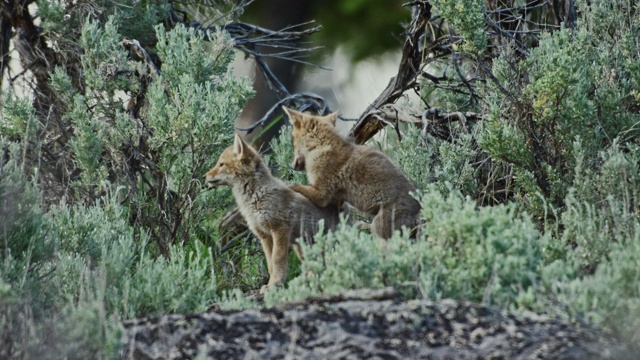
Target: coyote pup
x=339 y=170
x=276 y=214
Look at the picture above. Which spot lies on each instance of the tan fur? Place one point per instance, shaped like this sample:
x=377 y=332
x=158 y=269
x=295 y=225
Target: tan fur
x=339 y=170
x=276 y=214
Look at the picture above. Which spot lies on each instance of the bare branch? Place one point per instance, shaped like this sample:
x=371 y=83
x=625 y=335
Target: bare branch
x=135 y=47
x=412 y=56
x=301 y=102
x=430 y=121
x=253 y=40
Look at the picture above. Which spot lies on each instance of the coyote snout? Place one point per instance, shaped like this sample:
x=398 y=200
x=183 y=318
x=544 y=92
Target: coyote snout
x=211 y=179
x=214 y=182
x=298 y=163
x=220 y=175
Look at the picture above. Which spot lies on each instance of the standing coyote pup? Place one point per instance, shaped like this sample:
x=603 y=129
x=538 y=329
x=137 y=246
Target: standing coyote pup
x=276 y=214
x=339 y=170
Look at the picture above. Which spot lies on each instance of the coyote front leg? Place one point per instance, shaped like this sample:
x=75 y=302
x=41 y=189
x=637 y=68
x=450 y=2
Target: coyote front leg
x=267 y=247
x=298 y=250
x=279 y=257
x=317 y=196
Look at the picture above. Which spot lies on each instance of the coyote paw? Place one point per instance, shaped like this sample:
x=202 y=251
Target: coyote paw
x=363 y=226
x=263 y=289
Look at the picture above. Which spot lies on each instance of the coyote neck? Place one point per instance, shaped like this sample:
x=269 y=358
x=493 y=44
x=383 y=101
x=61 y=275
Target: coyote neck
x=252 y=187
x=331 y=156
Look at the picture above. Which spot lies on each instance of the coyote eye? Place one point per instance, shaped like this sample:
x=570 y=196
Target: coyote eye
x=221 y=164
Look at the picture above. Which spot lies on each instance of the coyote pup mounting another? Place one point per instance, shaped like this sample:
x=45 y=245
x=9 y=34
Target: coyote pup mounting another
x=339 y=170
x=276 y=214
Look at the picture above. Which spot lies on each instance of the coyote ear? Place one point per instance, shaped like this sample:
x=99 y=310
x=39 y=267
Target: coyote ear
x=331 y=118
x=286 y=110
x=238 y=145
x=295 y=117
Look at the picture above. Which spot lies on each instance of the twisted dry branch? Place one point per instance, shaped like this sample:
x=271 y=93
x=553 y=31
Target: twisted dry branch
x=260 y=43
x=412 y=55
x=300 y=101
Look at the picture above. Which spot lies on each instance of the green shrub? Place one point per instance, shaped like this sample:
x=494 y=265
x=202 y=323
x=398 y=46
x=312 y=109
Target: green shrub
x=350 y=259
x=151 y=131
x=100 y=254
x=235 y=300
x=74 y=332
x=490 y=254
x=24 y=248
x=184 y=121
x=611 y=296
x=592 y=259
x=101 y=274
x=67 y=279
x=36 y=320
x=601 y=208
x=416 y=160
x=569 y=88
x=17 y=118
x=282 y=156
x=468 y=18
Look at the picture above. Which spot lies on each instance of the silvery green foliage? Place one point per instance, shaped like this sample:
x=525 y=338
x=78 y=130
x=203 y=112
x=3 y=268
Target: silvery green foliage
x=82 y=269
x=415 y=159
x=467 y=17
x=569 y=88
x=436 y=161
x=184 y=122
x=17 y=117
x=234 y=300
x=601 y=208
x=102 y=258
x=351 y=259
x=24 y=248
x=36 y=319
x=96 y=259
x=489 y=254
x=282 y=157
x=610 y=297
x=597 y=277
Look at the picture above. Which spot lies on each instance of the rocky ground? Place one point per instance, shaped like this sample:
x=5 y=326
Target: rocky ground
x=366 y=324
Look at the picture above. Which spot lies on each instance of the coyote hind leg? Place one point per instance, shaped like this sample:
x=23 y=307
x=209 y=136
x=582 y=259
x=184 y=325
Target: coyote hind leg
x=390 y=218
x=382 y=224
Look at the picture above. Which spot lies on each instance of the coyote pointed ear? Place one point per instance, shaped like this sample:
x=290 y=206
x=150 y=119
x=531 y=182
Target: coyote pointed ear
x=239 y=146
x=331 y=118
x=295 y=117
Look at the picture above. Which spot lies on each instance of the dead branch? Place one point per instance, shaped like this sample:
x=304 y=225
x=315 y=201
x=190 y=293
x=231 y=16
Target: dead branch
x=431 y=120
x=300 y=101
x=431 y=40
x=252 y=40
x=410 y=64
x=137 y=49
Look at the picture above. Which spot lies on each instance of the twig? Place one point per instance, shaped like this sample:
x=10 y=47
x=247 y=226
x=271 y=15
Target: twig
x=140 y=52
